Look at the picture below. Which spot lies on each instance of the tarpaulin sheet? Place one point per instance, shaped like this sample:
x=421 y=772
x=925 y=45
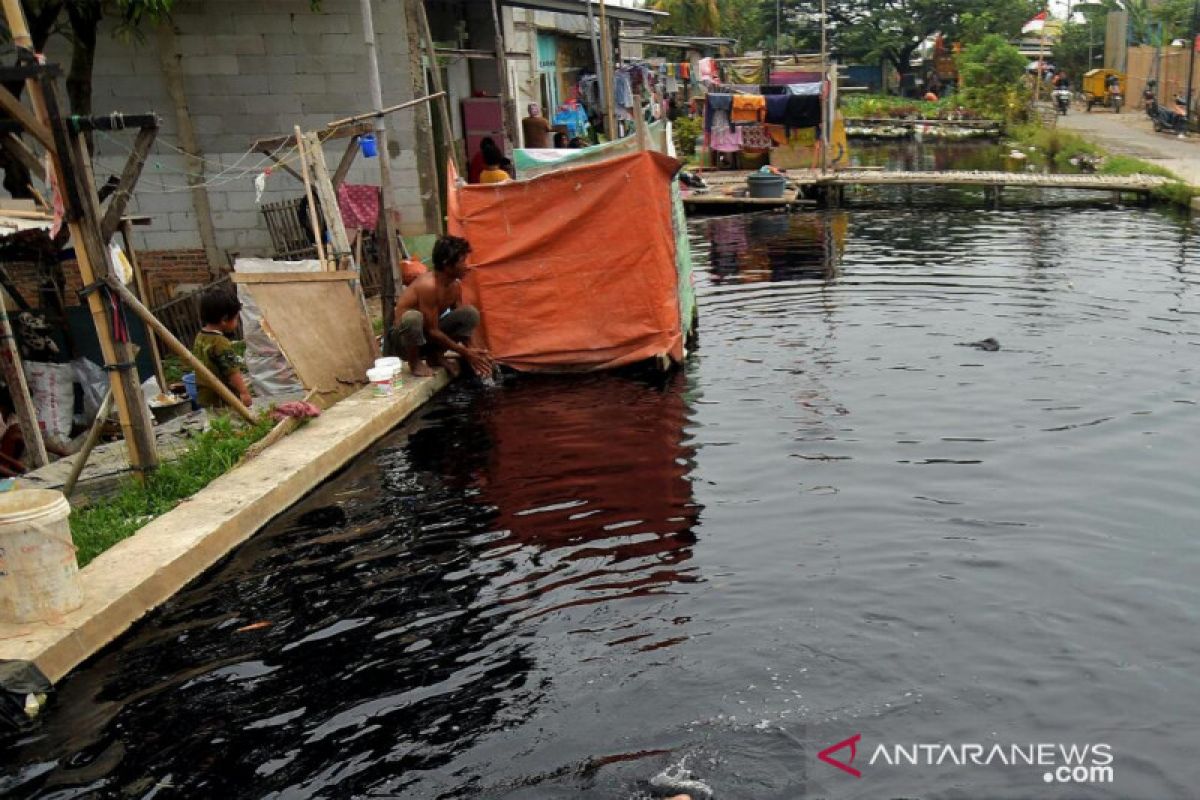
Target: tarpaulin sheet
x=575 y=270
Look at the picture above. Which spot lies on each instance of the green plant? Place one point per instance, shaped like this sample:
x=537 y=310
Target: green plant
x=1181 y=194
x=685 y=130
x=97 y=527
x=1128 y=165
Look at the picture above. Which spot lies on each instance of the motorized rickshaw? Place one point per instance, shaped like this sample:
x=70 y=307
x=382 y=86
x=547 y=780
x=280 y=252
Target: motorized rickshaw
x=1104 y=87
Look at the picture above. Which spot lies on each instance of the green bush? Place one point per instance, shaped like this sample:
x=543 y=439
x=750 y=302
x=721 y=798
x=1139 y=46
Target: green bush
x=685 y=131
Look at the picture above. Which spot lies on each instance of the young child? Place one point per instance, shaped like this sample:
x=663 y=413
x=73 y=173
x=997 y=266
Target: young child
x=219 y=311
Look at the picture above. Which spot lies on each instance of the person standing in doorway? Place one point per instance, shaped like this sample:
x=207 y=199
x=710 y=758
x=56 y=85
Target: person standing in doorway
x=536 y=128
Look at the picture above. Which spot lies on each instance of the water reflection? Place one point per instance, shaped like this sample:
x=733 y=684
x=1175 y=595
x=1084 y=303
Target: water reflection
x=786 y=247
x=381 y=627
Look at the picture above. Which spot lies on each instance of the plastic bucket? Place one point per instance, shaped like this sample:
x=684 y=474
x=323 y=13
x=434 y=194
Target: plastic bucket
x=381 y=379
x=189 y=385
x=395 y=365
x=39 y=576
x=762 y=185
x=367 y=143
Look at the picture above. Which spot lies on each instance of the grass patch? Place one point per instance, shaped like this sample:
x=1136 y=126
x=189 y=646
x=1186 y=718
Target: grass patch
x=210 y=455
x=1128 y=165
x=1054 y=145
x=1180 y=193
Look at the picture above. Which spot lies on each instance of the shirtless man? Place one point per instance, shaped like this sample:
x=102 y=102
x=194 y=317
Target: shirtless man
x=430 y=318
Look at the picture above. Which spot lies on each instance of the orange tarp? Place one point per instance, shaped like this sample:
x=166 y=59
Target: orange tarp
x=575 y=269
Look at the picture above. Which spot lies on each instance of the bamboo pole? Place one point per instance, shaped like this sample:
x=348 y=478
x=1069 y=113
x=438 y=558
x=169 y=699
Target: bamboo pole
x=338 y=123
x=18 y=388
x=139 y=279
x=610 y=110
x=506 y=104
x=175 y=346
x=452 y=153
x=89 y=444
x=308 y=192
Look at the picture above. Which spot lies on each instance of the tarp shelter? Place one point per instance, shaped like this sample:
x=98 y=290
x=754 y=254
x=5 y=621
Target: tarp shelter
x=577 y=269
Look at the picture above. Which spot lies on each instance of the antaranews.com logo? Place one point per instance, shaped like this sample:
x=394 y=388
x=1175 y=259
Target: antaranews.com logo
x=1058 y=763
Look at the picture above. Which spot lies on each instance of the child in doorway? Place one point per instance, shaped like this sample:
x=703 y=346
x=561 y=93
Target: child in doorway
x=219 y=310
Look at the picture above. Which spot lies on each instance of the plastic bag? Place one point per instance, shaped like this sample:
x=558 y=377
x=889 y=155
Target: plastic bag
x=91 y=378
x=270 y=373
x=52 y=387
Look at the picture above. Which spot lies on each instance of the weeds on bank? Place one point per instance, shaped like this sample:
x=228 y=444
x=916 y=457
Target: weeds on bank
x=214 y=452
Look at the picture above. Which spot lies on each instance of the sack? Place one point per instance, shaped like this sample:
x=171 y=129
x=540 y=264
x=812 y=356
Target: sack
x=52 y=387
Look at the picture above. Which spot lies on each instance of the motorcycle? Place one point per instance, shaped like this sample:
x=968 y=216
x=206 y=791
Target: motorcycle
x=1062 y=100
x=1167 y=119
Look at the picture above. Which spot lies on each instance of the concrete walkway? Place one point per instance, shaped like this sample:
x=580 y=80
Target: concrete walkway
x=1132 y=134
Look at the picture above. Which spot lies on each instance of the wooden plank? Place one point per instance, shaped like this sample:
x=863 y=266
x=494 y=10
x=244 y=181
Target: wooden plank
x=248 y=278
x=312 y=206
x=321 y=330
x=129 y=178
x=13 y=144
x=18 y=111
x=18 y=389
x=347 y=161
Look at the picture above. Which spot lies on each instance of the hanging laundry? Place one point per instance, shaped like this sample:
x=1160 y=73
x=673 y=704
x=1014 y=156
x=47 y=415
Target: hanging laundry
x=708 y=70
x=777 y=108
x=755 y=137
x=803 y=111
x=746 y=71
x=359 y=204
x=748 y=108
x=728 y=140
x=622 y=90
x=574 y=117
x=685 y=71
x=717 y=109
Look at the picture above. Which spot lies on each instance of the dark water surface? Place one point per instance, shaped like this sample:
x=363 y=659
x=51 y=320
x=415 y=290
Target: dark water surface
x=837 y=521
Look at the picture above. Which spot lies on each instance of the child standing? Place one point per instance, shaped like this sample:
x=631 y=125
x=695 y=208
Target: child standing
x=219 y=311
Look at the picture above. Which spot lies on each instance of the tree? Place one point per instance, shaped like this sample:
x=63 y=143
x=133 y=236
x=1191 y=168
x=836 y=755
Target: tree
x=893 y=30
x=689 y=17
x=993 y=63
x=78 y=21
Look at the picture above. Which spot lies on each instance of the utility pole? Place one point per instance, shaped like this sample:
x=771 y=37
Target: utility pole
x=388 y=251
x=600 y=76
x=827 y=91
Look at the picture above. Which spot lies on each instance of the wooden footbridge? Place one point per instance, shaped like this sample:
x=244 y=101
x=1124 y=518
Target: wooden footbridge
x=808 y=187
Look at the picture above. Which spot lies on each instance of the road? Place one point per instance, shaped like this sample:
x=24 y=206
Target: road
x=1132 y=134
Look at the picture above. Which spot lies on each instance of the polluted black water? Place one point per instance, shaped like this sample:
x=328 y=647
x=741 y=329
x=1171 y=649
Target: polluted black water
x=840 y=524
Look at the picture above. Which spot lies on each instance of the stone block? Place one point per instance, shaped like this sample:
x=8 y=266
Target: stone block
x=208 y=124
x=169 y=240
x=267 y=65
x=326 y=65
x=236 y=220
x=323 y=105
x=210 y=65
x=321 y=23
x=182 y=221
x=284 y=44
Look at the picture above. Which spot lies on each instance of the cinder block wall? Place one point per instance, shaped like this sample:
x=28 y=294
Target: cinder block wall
x=251 y=69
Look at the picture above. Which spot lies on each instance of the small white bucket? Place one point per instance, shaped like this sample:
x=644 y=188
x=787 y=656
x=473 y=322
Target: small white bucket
x=381 y=379
x=395 y=365
x=39 y=576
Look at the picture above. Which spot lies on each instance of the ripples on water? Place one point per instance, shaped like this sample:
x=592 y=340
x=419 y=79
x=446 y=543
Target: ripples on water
x=838 y=520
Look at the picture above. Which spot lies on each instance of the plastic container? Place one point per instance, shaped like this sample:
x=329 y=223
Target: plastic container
x=765 y=185
x=395 y=365
x=381 y=379
x=189 y=385
x=366 y=143
x=39 y=576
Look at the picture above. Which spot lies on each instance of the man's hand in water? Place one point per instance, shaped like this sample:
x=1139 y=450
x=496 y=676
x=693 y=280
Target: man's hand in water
x=480 y=361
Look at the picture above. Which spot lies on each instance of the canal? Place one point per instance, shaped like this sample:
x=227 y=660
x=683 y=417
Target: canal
x=839 y=519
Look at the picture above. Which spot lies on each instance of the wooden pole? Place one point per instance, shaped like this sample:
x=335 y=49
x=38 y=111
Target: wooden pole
x=175 y=346
x=429 y=165
x=173 y=74
x=452 y=153
x=506 y=105
x=17 y=26
x=610 y=109
x=827 y=90
x=387 y=294
x=139 y=279
x=73 y=171
x=14 y=376
x=89 y=444
x=337 y=123
x=312 y=206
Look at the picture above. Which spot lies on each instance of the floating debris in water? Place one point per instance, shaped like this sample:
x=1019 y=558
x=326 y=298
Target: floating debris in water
x=989 y=344
x=676 y=780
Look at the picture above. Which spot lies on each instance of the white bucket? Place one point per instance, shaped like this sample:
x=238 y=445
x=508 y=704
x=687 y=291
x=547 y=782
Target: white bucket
x=381 y=379
x=39 y=576
x=395 y=365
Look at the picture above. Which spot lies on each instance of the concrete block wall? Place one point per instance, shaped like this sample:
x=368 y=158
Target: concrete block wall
x=251 y=69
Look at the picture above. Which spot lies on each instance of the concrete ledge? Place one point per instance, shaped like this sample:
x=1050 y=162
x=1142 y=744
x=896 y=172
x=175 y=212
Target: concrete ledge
x=138 y=574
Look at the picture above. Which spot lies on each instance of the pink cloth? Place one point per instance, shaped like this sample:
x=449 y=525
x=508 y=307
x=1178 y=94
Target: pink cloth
x=727 y=140
x=359 y=204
